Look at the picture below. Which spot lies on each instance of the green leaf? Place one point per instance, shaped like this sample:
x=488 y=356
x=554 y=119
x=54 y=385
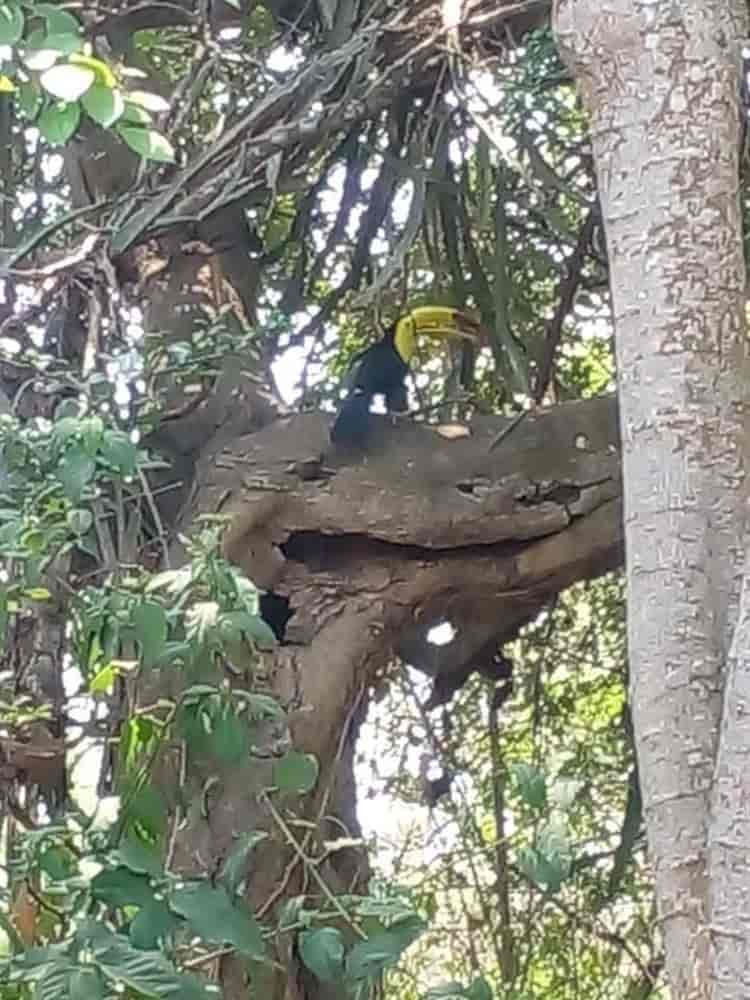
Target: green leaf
x=214 y=917
x=75 y=471
x=135 y=115
x=11 y=23
x=446 y=991
x=104 y=680
x=139 y=856
x=381 y=950
x=258 y=630
x=145 y=972
x=151 y=630
x=119 y=451
x=229 y=741
x=479 y=989
x=295 y=773
x=322 y=951
x=66 y=81
x=38 y=59
x=147 y=142
x=103 y=104
x=531 y=784
x=58 y=122
x=58 y=21
x=29 y=99
x=121 y=887
x=147 y=812
x=57 y=862
x=67 y=43
x=6 y=85
x=153 y=925
x=80 y=521
x=260 y=706
x=53 y=982
x=236 y=865
x=85 y=984
x=151 y=102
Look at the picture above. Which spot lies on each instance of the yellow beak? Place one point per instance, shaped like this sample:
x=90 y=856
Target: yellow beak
x=433 y=321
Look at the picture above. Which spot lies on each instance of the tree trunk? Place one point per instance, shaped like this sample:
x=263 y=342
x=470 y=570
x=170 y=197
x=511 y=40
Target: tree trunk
x=661 y=84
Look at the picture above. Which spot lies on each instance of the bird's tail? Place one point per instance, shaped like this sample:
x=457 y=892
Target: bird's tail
x=353 y=422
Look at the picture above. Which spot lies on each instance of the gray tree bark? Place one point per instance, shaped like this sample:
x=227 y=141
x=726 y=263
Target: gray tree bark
x=660 y=82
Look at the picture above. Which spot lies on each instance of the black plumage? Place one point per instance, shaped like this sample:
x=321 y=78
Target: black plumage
x=380 y=370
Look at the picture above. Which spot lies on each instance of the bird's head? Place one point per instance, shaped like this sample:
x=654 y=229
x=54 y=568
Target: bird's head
x=433 y=321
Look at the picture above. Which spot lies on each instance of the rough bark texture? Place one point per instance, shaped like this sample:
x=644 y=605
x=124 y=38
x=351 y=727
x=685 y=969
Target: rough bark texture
x=661 y=84
x=372 y=553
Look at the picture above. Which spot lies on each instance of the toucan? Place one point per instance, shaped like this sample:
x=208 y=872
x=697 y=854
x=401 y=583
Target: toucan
x=382 y=368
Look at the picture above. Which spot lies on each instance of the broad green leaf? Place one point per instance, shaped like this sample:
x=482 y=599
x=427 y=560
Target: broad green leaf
x=135 y=115
x=229 y=741
x=153 y=925
x=446 y=991
x=151 y=630
x=479 y=989
x=85 y=984
x=80 y=520
x=147 y=142
x=92 y=429
x=11 y=23
x=384 y=949
x=39 y=60
x=119 y=451
x=53 y=982
x=121 y=887
x=58 y=21
x=145 y=972
x=295 y=773
x=531 y=784
x=236 y=865
x=258 y=630
x=147 y=812
x=322 y=951
x=104 y=104
x=75 y=470
x=104 y=680
x=260 y=706
x=58 y=863
x=151 y=102
x=66 y=43
x=214 y=917
x=139 y=857
x=58 y=122
x=66 y=81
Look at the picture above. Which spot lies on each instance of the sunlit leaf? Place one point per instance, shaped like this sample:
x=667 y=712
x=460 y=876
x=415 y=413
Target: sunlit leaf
x=66 y=81
x=104 y=104
x=103 y=74
x=147 y=143
x=151 y=102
